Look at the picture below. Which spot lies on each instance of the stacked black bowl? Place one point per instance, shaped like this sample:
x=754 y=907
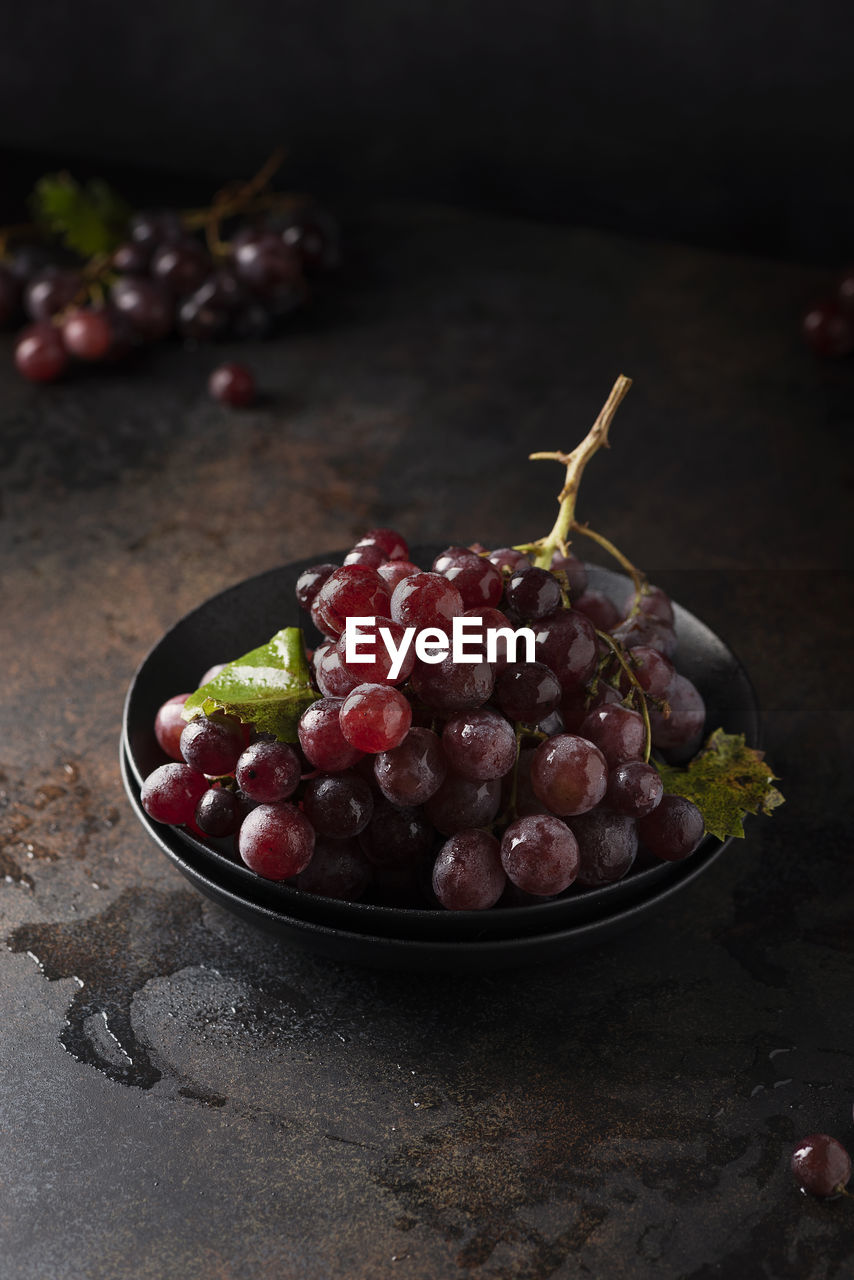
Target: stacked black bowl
x=244 y=617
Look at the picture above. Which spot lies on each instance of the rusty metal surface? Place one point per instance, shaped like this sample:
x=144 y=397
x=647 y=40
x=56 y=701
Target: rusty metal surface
x=182 y=1097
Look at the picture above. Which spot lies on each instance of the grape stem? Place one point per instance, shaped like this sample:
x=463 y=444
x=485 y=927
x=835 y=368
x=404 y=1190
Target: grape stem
x=618 y=654
x=637 y=577
x=509 y=813
x=575 y=462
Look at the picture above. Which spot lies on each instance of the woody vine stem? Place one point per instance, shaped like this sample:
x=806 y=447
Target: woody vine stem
x=557 y=540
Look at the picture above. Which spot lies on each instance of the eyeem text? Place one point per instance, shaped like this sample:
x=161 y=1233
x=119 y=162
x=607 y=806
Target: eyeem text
x=470 y=641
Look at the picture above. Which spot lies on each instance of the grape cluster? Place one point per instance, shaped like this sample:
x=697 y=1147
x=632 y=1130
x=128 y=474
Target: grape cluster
x=164 y=279
x=828 y=326
x=459 y=784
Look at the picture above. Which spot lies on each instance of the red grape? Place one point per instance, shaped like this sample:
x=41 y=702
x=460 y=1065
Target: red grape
x=375 y=717
x=468 y=875
x=40 y=355
x=171 y=793
x=169 y=724
x=234 y=385
x=276 y=841
x=539 y=854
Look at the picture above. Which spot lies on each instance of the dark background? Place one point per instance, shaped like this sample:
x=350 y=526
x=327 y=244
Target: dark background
x=726 y=124
x=179 y=1096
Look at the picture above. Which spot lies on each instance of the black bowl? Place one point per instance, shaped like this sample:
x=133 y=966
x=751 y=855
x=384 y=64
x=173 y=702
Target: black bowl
x=415 y=954
x=246 y=615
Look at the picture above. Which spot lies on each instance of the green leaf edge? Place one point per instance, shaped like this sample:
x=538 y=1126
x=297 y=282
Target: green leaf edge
x=290 y=642
x=678 y=780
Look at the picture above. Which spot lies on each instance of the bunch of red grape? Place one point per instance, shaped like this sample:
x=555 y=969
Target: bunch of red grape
x=455 y=784
x=828 y=326
x=165 y=279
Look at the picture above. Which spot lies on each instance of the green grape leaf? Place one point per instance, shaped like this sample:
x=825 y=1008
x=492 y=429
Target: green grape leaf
x=90 y=219
x=269 y=687
x=726 y=780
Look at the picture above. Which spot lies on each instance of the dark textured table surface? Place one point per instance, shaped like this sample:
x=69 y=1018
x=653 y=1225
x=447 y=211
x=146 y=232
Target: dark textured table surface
x=181 y=1096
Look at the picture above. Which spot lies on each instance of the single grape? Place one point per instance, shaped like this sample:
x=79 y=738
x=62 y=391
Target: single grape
x=171 y=793
x=132 y=259
x=394 y=571
x=375 y=717
x=601 y=611
x=646 y=631
x=169 y=724
x=181 y=265
x=412 y=772
x=479 y=583
x=353 y=591
x=533 y=593
x=576 y=573
x=87 y=334
x=366 y=553
x=338 y=805
x=392 y=544
x=396 y=836
x=451 y=556
x=461 y=803
x=310 y=581
x=679 y=734
x=479 y=745
x=657 y=604
x=569 y=774
x=634 y=789
x=276 y=841
x=334 y=679
x=219 y=812
x=313 y=234
x=426 y=600
x=467 y=874
x=673 y=830
x=566 y=644
x=268 y=771
x=40 y=355
x=448 y=687
x=212 y=744
x=378 y=669
x=617 y=731
x=321 y=738
x=338 y=869
x=828 y=330
x=527 y=691
x=145 y=304
x=821 y=1165
x=607 y=847
x=539 y=854
x=151 y=227
x=233 y=384
x=507 y=558
x=654 y=672
x=50 y=292
x=270 y=269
